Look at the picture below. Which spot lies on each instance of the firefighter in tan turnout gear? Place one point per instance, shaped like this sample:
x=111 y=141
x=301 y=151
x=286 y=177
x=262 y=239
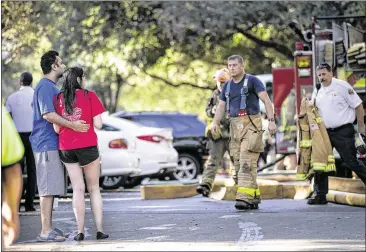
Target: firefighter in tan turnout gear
x=240 y=99
x=217 y=144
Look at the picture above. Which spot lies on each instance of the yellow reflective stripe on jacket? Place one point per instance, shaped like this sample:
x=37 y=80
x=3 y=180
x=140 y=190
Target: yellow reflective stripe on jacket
x=301 y=177
x=287 y=128
x=331 y=167
x=319 y=166
x=305 y=143
x=331 y=159
x=318 y=119
x=250 y=191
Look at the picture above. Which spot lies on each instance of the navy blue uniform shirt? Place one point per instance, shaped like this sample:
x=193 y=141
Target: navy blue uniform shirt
x=255 y=86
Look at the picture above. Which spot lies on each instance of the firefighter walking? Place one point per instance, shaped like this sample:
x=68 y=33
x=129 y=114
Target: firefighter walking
x=240 y=99
x=217 y=144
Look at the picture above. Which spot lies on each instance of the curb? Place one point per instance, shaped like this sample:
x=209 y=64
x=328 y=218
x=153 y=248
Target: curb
x=341 y=190
x=346 y=198
x=347 y=185
x=269 y=190
x=168 y=191
x=280 y=176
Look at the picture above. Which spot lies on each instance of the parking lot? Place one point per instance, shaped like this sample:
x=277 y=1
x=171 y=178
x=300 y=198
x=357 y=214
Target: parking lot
x=198 y=223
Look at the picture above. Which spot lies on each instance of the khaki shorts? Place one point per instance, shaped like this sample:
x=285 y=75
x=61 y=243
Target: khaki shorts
x=51 y=174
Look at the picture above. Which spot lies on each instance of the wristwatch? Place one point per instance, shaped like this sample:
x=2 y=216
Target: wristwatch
x=271 y=119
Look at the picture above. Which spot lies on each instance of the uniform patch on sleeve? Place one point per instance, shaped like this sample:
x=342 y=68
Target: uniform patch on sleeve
x=314 y=126
x=351 y=91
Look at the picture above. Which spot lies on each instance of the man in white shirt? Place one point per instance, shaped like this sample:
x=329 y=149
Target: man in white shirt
x=339 y=106
x=19 y=105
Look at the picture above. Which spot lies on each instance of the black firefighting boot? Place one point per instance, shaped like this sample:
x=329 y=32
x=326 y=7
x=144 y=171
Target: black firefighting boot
x=203 y=189
x=318 y=200
x=254 y=206
x=243 y=205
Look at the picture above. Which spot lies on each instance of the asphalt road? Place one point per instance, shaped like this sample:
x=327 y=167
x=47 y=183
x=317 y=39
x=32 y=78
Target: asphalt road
x=199 y=223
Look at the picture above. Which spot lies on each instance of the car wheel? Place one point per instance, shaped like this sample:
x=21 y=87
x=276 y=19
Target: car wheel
x=131 y=182
x=187 y=169
x=110 y=182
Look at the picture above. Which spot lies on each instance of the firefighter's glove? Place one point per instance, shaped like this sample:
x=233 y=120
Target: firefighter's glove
x=216 y=132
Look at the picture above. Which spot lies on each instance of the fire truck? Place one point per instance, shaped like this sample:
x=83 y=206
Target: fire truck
x=342 y=47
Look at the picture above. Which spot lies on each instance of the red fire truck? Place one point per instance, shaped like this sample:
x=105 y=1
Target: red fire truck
x=341 y=47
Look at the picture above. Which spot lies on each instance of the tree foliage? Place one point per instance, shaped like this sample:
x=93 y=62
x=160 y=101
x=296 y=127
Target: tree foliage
x=156 y=55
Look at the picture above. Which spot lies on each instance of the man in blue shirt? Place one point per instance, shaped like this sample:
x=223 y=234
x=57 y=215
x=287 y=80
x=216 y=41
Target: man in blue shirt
x=240 y=98
x=44 y=140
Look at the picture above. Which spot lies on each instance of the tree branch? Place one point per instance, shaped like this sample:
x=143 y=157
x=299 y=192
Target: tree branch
x=169 y=83
x=270 y=44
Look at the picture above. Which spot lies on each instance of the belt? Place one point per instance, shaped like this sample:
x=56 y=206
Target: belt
x=340 y=127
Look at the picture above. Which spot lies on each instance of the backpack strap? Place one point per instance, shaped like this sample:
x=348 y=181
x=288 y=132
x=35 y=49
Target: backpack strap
x=244 y=93
x=227 y=95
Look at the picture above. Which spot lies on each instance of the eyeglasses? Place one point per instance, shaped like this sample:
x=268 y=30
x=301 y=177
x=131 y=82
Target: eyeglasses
x=324 y=65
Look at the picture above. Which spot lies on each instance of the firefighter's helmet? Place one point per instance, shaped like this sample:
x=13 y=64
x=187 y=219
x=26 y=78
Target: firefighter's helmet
x=360 y=143
x=222 y=75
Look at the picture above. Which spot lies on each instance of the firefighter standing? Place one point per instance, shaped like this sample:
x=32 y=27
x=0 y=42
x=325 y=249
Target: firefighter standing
x=338 y=105
x=240 y=98
x=217 y=145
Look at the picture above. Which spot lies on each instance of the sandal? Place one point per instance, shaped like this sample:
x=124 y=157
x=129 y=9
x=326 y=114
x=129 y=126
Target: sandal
x=60 y=233
x=53 y=236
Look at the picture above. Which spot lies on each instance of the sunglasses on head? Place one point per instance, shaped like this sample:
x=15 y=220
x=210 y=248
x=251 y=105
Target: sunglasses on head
x=324 y=66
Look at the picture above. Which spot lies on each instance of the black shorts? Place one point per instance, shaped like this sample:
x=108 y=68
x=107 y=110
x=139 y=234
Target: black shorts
x=83 y=156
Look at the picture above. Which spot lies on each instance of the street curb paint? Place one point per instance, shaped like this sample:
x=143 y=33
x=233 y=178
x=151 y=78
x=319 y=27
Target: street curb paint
x=168 y=191
x=269 y=190
x=347 y=185
x=353 y=199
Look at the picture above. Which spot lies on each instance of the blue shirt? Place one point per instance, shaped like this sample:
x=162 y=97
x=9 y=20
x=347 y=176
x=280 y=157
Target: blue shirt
x=255 y=86
x=43 y=137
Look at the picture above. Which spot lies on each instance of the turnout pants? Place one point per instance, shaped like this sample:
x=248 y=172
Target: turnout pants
x=217 y=151
x=245 y=146
x=343 y=141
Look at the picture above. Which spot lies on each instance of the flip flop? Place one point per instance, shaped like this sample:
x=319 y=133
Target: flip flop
x=53 y=236
x=61 y=233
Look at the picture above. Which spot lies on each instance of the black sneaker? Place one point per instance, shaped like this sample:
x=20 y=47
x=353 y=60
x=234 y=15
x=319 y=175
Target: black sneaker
x=101 y=236
x=79 y=237
x=318 y=200
x=203 y=189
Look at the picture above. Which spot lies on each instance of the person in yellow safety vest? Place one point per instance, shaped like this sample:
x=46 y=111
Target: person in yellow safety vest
x=316 y=152
x=11 y=179
x=240 y=98
x=217 y=144
x=288 y=110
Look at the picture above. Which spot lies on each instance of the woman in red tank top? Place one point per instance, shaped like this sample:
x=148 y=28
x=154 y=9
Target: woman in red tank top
x=79 y=150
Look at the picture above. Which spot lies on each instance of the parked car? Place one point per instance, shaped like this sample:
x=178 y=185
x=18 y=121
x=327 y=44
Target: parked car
x=118 y=157
x=154 y=147
x=189 y=138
